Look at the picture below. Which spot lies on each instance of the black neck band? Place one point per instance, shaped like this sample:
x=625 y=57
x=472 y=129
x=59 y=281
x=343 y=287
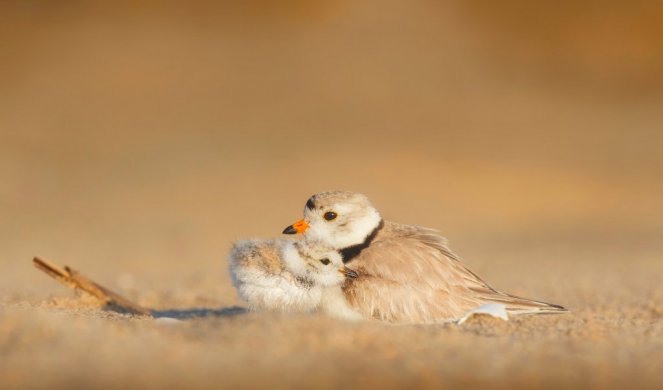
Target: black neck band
x=353 y=251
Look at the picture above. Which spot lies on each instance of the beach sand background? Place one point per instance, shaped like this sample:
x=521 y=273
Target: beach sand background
x=138 y=140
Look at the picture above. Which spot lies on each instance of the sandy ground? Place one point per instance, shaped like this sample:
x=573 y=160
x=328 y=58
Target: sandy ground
x=138 y=142
x=613 y=338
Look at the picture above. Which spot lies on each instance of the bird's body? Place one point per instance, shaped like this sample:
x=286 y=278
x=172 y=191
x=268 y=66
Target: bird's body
x=290 y=276
x=405 y=274
x=408 y=274
x=262 y=280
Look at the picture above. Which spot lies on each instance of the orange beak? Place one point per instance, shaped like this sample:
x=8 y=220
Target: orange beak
x=296 y=228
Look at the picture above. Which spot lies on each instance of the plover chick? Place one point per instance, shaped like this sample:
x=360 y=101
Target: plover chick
x=285 y=275
x=405 y=274
x=324 y=268
x=259 y=274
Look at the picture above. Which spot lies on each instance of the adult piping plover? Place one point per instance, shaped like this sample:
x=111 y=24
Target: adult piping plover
x=405 y=274
x=286 y=275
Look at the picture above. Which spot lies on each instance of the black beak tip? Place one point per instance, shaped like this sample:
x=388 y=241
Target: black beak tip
x=289 y=230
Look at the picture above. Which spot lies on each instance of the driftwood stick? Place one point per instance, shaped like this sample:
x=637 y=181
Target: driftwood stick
x=75 y=280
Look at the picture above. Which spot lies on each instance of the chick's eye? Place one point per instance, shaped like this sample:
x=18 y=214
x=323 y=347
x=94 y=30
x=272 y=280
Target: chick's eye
x=325 y=261
x=330 y=215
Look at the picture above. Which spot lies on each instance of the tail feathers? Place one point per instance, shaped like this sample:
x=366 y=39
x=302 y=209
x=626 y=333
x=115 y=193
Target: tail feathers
x=517 y=305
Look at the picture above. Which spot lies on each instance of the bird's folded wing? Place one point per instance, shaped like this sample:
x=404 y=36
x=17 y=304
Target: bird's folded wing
x=408 y=280
x=414 y=274
x=417 y=262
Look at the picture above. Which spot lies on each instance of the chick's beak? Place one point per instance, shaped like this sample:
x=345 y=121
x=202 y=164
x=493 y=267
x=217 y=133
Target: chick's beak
x=297 y=227
x=348 y=273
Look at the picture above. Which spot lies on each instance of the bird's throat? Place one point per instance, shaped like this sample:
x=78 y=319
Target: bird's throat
x=350 y=252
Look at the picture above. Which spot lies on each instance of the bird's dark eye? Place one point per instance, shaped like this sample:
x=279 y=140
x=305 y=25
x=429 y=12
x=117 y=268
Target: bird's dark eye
x=325 y=261
x=330 y=215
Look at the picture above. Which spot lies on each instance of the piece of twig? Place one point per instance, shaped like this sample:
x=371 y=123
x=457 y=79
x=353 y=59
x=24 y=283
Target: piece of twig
x=73 y=279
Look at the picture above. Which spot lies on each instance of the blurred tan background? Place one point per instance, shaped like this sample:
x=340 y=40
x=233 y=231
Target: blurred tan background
x=138 y=139
x=143 y=133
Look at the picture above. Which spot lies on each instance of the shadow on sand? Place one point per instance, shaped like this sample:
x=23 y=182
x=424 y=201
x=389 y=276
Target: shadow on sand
x=192 y=313
x=113 y=301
